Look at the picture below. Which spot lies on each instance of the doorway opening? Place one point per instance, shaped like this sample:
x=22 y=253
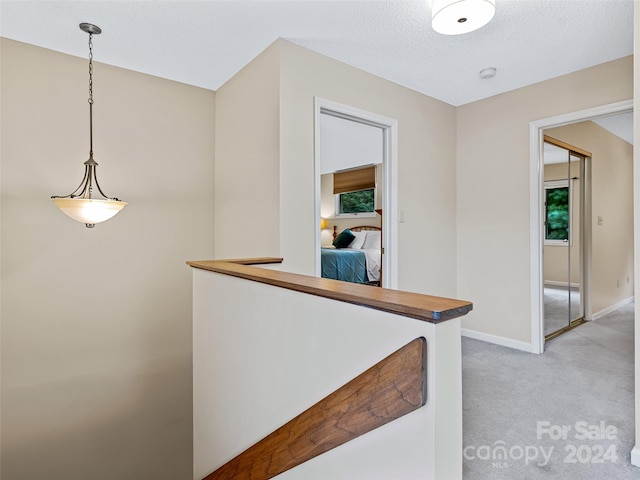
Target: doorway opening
x=537 y=130
x=352 y=141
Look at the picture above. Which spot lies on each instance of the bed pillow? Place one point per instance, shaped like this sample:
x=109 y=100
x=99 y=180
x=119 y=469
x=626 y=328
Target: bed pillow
x=359 y=240
x=373 y=240
x=344 y=239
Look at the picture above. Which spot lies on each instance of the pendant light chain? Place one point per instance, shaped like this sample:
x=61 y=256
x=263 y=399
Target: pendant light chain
x=90 y=95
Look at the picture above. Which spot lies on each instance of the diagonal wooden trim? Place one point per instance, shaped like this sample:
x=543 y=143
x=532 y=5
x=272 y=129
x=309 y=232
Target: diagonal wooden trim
x=566 y=146
x=387 y=391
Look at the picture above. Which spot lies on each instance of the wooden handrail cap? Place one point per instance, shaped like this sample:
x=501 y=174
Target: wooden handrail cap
x=427 y=308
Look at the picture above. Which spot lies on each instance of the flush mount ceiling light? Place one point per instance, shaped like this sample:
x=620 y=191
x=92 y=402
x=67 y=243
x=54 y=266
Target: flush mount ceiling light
x=80 y=204
x=454 y=17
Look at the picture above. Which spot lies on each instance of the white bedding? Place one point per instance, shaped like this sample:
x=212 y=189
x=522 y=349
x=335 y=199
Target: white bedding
x=368 y=241
x=373 y=259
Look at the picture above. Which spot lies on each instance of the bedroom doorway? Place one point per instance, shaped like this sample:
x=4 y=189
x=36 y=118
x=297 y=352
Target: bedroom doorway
x=355 y=187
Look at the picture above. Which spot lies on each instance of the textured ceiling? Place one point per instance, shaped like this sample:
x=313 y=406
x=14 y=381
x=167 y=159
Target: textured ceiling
x=205 y=43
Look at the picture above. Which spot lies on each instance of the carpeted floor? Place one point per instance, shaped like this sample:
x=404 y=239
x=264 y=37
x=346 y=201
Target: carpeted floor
x=566 y=414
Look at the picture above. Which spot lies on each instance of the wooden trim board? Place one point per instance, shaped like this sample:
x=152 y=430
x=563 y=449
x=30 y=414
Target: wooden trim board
x=566 y=146
x=390 y=389
x=427 y=308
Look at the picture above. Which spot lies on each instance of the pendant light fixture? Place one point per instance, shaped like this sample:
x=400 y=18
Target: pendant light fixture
x=80 y=204
x=455 y=17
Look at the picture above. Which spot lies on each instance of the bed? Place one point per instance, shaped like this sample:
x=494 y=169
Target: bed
x=354 y=257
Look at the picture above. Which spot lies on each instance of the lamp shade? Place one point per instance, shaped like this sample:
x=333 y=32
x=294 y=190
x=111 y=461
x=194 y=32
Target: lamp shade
x=455 y=17
x=88 y=210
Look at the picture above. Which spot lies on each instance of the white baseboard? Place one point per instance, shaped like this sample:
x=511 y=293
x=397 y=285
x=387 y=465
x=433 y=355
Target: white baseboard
x=635 y=456
x=611 y=308
x=503 y=341
x=527 y=347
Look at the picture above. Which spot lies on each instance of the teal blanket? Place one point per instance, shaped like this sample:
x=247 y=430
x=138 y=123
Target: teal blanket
x=344 y=264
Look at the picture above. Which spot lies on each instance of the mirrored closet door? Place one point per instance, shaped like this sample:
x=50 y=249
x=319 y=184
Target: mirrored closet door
x=563 y=239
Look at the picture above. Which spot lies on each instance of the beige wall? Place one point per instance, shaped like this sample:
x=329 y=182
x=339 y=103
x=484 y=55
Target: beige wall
x=280 y=139
x=247 y=160
x=96 y=323
x=556 y=257
x=493 y=165
x=612 y=199
x=426 y=166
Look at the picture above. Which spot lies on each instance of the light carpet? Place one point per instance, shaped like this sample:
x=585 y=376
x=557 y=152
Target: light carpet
x=566 y=414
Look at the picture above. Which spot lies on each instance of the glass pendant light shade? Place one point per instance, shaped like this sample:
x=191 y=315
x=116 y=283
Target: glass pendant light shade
x=80 y=204
x=89 y=210
x=82 y=207
x=455 y=17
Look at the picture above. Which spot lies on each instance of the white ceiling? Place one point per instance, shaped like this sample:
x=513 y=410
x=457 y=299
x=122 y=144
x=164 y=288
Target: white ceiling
x=553 y=154
x=620 y=125
x=205 y=43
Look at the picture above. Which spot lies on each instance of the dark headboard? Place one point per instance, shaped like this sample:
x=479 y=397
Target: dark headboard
x=359 y=228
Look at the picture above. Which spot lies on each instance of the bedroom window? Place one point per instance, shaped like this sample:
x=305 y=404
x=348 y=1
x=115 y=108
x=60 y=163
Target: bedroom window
x=557 y=201
x=354 y=203
x=354 y=191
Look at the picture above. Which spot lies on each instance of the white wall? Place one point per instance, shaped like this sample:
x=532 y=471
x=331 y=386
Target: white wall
x=289 y=374
x=96 y=323
x=346 y=144
x=493 y=173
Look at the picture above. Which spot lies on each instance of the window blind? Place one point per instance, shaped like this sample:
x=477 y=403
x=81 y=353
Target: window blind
x=354 y=180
